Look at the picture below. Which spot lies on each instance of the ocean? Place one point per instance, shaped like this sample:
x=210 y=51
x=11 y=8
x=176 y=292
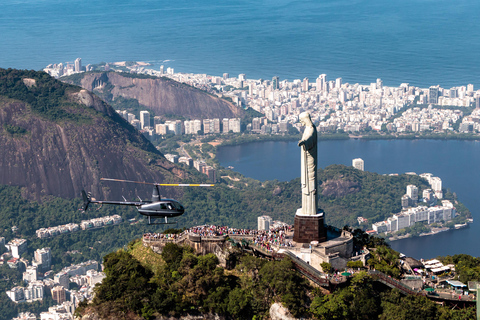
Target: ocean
x=421 y=42
x=454 y=161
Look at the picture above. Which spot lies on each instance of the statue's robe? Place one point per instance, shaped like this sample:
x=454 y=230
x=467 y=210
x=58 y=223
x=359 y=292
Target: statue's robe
x=309 y=170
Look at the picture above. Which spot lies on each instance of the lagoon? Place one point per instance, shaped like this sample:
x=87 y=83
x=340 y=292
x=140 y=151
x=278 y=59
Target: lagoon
x=454 y=161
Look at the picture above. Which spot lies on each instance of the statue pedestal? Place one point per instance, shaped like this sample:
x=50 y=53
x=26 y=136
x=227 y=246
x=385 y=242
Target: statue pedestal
x=309 y=228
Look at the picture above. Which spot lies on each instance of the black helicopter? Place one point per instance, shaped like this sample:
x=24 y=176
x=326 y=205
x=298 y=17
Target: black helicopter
x=156 y=208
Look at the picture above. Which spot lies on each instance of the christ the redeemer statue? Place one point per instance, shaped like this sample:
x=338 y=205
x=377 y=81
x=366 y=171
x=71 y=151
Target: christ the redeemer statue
x=308 y=145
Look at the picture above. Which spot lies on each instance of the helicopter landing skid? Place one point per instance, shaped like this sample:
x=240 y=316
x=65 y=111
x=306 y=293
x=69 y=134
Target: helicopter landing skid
x=166 y=221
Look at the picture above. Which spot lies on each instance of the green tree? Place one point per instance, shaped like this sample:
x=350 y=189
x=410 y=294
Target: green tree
x=126 y=283
x=326 y=267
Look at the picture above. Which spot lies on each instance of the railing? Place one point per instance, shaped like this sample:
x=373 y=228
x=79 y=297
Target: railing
x=392 y=283
x=308 y=271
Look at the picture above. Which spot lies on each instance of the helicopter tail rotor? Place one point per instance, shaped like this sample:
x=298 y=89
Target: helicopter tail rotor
x=86 y=200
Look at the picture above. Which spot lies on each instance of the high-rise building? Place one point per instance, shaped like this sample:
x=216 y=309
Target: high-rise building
x=241 y=77
x=275 y=83
x=161 y=129
x=320 y=82
x=226 y=76
x=58 y=294
x=234 y=125
x=161 y=69
x=197 y=126
x=256 y=124
x=174 y=126
x=211 y=173
x=338 y=83
x=412 y=192
x=216 y=125
x=264 y=222
x=30 y=274
x=477 y=100
x=358 y=164
x=17 y=247
x=305 y=84
x=323 y=81
x=43 y=258
x=62 y=279
x=78 y=65
x=436 y=184
x=206 y=126
x=225 y=125
x=433 y=94
x=144 y=119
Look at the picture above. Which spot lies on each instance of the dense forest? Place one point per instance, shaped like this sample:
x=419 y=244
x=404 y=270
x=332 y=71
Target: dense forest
x=182 y=282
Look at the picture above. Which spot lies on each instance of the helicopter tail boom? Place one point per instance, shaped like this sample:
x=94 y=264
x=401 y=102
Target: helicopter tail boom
x=86 y=200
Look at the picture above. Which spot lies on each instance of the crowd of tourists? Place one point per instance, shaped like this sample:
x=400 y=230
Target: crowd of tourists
x=265 y=239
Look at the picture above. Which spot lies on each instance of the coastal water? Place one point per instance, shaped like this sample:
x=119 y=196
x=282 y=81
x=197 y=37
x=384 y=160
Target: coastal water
x=421 y=42
x=454 y=161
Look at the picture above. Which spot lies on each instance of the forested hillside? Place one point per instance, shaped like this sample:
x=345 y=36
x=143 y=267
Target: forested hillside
x=57 y=139
x=186 y=283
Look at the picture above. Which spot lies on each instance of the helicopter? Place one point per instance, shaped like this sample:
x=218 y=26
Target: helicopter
x=156 y=208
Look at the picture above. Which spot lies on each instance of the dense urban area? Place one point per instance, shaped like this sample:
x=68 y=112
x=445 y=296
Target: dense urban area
x=334 y=106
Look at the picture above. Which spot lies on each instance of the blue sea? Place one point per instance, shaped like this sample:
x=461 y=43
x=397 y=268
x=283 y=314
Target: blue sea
x=421 y=42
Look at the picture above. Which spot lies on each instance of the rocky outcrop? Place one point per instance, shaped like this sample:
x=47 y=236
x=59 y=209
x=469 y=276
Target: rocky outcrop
x=161 y=95
x=46 y=156
x=279 y=312
x=338 y=188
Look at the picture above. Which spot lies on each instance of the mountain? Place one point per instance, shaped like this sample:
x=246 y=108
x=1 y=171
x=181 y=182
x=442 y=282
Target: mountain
x=162 y=96
x=57 y=139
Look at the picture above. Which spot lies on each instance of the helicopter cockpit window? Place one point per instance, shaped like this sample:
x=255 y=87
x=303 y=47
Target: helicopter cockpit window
x=177 y=205
x=163 y=206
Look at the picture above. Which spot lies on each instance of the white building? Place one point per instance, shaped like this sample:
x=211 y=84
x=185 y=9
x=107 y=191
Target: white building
x=144 y=119
x=264 y=222
x=358 y=163
x=43 y=259
x=17 y=247
x=186 y=160
x=409 y=217
x=25 y=316
x=436 y=184
x=234 y=125
x=16 y=294
x=62 y=279
x=78 y=65
x=30 y=274
x=172 y=157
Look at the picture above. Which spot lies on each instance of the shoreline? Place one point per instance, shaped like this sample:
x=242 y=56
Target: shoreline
x=248 y=138
x=432 y=233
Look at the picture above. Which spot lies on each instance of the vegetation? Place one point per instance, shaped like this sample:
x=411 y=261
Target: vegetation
x=467 y=267
x=15 y=130
x=46 y=96
x=186 y=283
x=386 y=260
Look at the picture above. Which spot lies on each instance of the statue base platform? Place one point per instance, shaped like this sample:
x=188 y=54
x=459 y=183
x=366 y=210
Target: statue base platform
x=309 y=227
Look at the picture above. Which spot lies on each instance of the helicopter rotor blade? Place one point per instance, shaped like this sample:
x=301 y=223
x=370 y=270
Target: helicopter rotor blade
x=162 y=184
x=129 y=181
x=183 y=185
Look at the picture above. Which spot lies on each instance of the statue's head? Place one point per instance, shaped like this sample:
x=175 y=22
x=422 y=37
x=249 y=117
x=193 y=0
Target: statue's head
x=305 y=119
